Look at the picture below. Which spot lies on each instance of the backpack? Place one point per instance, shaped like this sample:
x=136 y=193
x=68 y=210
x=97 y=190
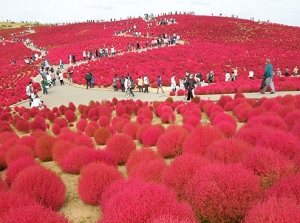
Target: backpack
x=88 y=76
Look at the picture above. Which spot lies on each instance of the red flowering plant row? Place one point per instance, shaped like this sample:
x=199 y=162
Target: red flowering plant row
x=263 y=153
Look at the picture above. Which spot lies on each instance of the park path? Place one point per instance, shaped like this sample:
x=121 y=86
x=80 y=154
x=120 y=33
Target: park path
x=78 y=94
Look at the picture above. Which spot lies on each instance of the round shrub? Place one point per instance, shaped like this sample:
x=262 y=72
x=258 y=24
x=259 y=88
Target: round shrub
x=274 y=210
x=39 y=123
x=70 y=115
x=143 y=202
x=280 y=141
x=170 y=219
x=251 y=134
x=222 y=193
x=269 y=165
x=121 y=145
x=43 y=147
x=55 y=129
x=41 y=184
x=73 y=160
x=169 y=144
x=228 y=150
x=167 y=117
x=199 y=139
x=3 y=151
x=286 y=187
x=81 y=124
x=181 y=170
x=101 y=135
x=90 y=128
x=227 y=128
x=104 y=121
x=131 y=128
x=16 y=167
x=93 y=180
x=60 y=149
x=269 y=119
x=17 y=152
x=27 y=141
x=151 y=134
x=142 y=128
x=151 y=171
x=33 y=213
x=145 y=112
x=143 y=155
x=11 y=200
x=23 y=126
x=3 y=186
x=98 y=155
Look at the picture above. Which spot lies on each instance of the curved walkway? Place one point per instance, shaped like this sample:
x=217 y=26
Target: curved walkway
x=78 y=94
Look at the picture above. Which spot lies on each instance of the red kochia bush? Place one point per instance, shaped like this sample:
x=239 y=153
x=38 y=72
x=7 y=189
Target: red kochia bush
x=144 y=155
x=269 y=165
x=143 y=202
x=3 y=186
x=73 y=161
x=150 y=172
x=43 y=147
x=198 y=140
x=274 y=210
x=104 y=121
x=228 y=150
x=280 y=141
x=41 y=184
x=22 y=125
x=90 y=128
x=93 y=180
x=60 y=150
x=81 y=124
x=17 y=152
x=17 y=166
x=121 y=145
x=270 y=119
x=11 y=200
x=101 y=135
x=169 y=144
x=70 y=115
x=32 y=214
x=151 y=134
x=170 y=219
x=286 y=187
x=130 y=128
x=181 y=170
x=222 y=193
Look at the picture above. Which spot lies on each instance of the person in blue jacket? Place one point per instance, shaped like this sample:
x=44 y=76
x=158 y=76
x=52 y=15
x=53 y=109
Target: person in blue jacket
x=268 y=77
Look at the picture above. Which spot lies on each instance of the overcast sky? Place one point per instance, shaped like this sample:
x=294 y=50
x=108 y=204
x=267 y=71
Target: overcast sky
x=53 y=11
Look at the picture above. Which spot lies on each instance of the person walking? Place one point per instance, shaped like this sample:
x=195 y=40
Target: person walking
x=190 y=85
x=61 y=78
x=44 y=84
x=132 y=85
x=173 y=83
x=146 y=84
x=140 y=84
x=267 y=78
x=29 y=92
x=88 y=78
x=159 y=84
x=115 y=83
